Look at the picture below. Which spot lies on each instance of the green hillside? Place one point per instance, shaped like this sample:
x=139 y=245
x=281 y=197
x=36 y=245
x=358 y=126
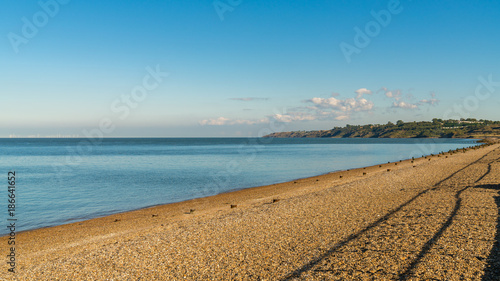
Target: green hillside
x=437 y=128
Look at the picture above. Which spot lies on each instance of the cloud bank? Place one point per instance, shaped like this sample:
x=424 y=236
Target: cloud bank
x=331 y=108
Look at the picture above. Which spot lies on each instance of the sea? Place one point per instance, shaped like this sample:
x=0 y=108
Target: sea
x=59 y=181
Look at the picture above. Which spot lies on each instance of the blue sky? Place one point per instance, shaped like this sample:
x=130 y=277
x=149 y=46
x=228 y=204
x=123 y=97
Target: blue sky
x=242 y=68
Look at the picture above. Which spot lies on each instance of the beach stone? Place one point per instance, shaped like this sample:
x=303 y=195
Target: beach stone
x=437 y=222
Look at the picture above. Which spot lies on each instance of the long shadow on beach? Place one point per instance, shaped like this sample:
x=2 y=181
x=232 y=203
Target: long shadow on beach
x=431 y=242
x=458 y=204
x=492 y=271
x=426 y=247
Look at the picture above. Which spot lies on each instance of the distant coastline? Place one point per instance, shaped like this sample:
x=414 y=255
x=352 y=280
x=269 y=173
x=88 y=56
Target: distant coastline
x=437 y=128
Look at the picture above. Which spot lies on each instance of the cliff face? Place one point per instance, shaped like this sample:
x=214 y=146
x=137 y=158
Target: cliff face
x=436 y=129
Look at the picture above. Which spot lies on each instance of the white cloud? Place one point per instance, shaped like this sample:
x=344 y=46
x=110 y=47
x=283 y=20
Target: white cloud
x=395 y=94
x=218 y=121
x=402 y=104
x=342 y=117
x=226 y=121
x=364 y=105
x=346 y=105
x=294 y=116
x=335 y=108
x=361 y=92
x=430 y=101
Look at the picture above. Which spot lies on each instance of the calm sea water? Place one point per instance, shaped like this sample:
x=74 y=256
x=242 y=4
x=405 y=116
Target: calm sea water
x=66 y=180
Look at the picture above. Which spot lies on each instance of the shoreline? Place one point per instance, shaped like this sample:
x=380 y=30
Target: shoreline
x=479 y=143
x=274 y=211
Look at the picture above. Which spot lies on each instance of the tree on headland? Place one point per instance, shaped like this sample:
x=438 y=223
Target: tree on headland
x=436 y=121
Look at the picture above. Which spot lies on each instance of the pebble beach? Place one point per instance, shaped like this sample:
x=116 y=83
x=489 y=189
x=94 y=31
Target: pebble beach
x=431 y=218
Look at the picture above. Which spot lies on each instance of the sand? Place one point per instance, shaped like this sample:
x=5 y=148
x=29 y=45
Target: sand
x=435 y=218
